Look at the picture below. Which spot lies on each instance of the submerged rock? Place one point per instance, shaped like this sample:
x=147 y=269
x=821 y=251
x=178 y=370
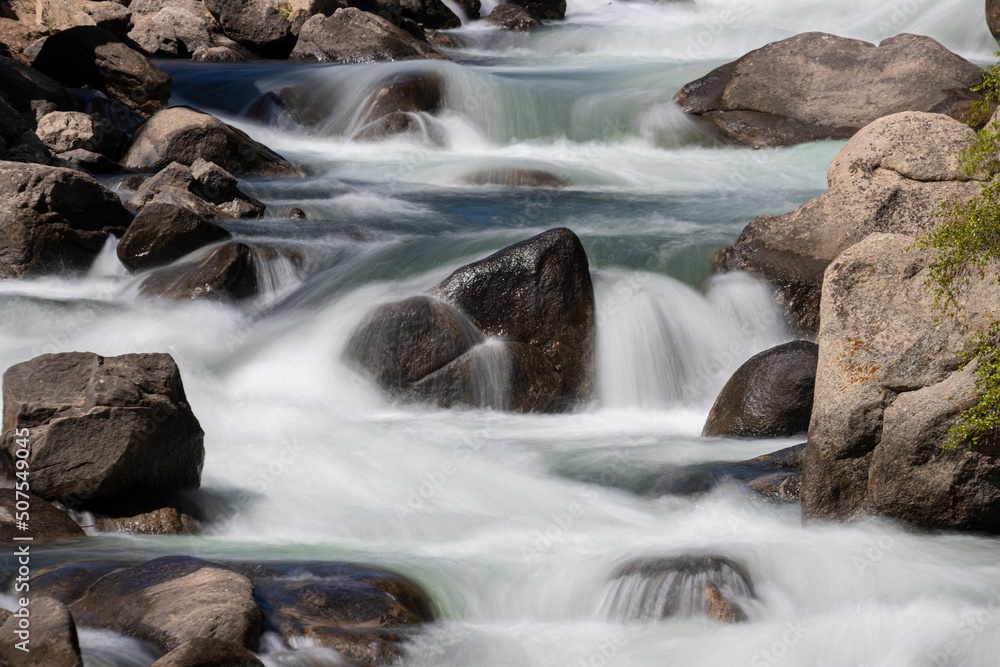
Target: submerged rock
x=889 y=387
x=892 y=176
x=819 y=86
x=227 y=273
x=92 y=57
x=386 y=110
x=769 y=396
x=353 y=36
x=103 y=430
x=170 y=600
x=54 y=219
x=183 y=135
x=652 y=589
x=516 y=177
x=52 y=635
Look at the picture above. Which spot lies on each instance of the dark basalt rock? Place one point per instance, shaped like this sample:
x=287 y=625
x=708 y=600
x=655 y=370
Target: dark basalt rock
x=103 y=430
x=769 y=396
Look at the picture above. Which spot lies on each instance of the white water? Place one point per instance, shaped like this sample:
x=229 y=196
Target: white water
x=306 y=460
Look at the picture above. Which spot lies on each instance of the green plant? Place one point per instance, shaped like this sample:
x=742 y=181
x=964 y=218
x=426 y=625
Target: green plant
x=966 y=243
x=284 y=8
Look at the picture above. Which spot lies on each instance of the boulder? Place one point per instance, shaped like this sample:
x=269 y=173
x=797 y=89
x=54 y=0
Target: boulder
x=993 y=18
x=207 y=652
x=651 y=589
x=111 y=16
x=818 y=86
x=227 y=273
x=397 y=96
x=536 y=292
x=361 y=612
x=63 y=131
x=103 y=430
x=53 y=219
x=285 y=105
x=92 y=57
x=170 y=600
x=502 y=376
x=470 y=7
x=46 y=522
x=769 y=396
x=432 y=14
x=206 y=181
x=17 y=142
x=164 y=521
x=178 y=32
x=515 y=177
x=93 y=163
x=441 y=40
x=220 y=54
x=15 y=37
x=889 y=386
x=892 y=176
x=58 y=15
x=512 y=17
x=400 y=343
x=254 y=24
x=303 y=10
x=183 y=135
x=162 y=233
x=781 y=486
x=69 y=582
x=52 y=641
x=543 y=10
x=27 y=89
x=353 y=36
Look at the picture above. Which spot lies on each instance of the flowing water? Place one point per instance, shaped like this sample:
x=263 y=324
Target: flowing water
x=305 y=460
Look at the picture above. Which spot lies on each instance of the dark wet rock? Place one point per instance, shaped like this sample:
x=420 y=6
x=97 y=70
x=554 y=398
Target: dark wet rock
x=254 y=24
x=544 y=10
x=164 y=521
x=892 y=176
x=502 y=376
x=25 y=88
x=515 y=177
x=64 y=131
x=206 y=652
x=363 y=613
x=103 y=429
x=512 y=17
x=432 y=14
x=536 y=292
x=183 y=135
x=415 y=29
x=47 y=522
x=92 y=57
x=69 y=582
x=651 y=589
x=470 y=7
x=818 y=86
x=162 y=233
x=17 y=142
x=400 y=343
x=769 y=396
x=295 y=213
x=54 y=219
x=288 y=103
x=778 y=485
x=227 y=273
x=993 y=18
x=52 y=637
x=889 y=387
x=168 y=601
x=353 y=36
x=387 y=109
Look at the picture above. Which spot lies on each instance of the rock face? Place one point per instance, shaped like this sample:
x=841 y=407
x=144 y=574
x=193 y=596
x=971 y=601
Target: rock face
x=47 y=521
x=162 y=233
x=353 y=36
x=654 y=589
x=92 y=57
x=432 y=14
x=512 y=17
x=103 y=429
x=255 y=24
x=819 y=86
x=227 y=273
x=888 y=389
x=892 y=176
x=53 y=639
x=769 y=396
x=184 y=135
x=536 y=292
x=361 y=612
x=205 y=652
x=53 y=219
x=168 y=601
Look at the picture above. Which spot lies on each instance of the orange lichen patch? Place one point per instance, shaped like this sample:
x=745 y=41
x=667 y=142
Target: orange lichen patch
x=856 y=370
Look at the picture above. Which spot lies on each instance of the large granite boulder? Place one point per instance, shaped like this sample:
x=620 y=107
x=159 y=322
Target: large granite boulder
x=769 y=396
x=892 y=176
x=53 y=219
x=255 y=24
x=64 y=131
x=183 y=135
x=354 y=36
x=889 y=387
x=102 y=430
x=819 y=86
